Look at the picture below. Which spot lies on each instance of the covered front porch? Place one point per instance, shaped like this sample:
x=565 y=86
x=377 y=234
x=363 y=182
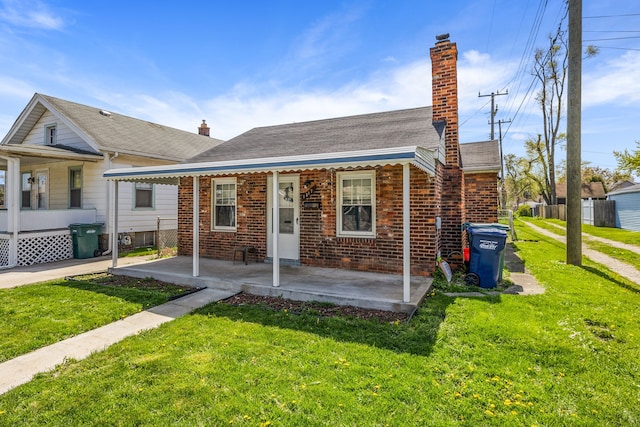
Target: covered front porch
x=302 y=283
x=40 y=200
x=362 y=285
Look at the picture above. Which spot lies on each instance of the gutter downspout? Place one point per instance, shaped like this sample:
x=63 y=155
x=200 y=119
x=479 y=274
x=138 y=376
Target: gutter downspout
x=12 y=197
x=110 y=210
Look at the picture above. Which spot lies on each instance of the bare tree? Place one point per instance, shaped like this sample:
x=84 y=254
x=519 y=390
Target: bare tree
x=550 y=69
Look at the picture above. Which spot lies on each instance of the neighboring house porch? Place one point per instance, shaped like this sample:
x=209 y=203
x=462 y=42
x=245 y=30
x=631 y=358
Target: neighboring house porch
x=51 y=166
x=42 y=195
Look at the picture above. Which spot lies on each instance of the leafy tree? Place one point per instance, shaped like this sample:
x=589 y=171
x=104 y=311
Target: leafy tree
x=594 y=174
x=629 y=163
x=518 y=185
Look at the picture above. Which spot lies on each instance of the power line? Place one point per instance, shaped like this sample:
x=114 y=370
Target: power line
x=527 y=52
x=618 y=48
x=611 y=16
x=611 y=31
x=613 y=38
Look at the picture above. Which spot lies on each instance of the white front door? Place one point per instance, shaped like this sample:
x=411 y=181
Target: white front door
x=289 y=217
x=42 y=189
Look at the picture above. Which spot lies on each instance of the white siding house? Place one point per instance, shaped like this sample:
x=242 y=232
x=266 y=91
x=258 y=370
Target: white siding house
x=53 y=160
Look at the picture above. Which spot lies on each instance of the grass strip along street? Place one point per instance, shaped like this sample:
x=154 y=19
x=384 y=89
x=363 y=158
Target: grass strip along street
x=34 y=316
x=630 y=257
x=568 y=357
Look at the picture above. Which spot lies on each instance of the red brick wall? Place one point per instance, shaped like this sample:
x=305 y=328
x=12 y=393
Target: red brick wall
x=319 y=245
x=444 y=95
x=250 y=218
x=481 y=193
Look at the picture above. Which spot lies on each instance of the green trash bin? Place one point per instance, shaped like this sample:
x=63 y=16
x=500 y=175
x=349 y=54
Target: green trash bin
x=85 y=240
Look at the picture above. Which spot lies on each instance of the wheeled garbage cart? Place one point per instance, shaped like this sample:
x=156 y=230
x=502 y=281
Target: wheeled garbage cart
x=85 y=240
x=486 y=247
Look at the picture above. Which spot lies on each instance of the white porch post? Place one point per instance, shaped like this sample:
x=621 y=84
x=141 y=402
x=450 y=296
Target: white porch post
x=12 y=189
x=406 y=234
x=114 y=223
x=275 y=218
x=196 y=226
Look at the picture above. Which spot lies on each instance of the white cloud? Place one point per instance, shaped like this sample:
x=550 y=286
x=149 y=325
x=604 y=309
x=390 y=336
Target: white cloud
x=616 y=82
x=246 y=106
x=30 y=14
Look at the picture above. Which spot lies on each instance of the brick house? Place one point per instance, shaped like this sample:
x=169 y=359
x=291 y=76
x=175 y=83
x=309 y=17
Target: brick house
x=383 y=192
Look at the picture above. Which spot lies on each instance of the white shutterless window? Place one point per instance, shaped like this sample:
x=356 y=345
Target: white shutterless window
x=224 y=204
x=356 y=215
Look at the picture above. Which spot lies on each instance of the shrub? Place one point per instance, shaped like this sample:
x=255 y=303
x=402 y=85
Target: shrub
x=524 y=210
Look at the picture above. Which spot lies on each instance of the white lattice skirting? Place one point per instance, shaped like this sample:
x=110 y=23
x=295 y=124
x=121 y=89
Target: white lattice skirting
x=4 y=251
x=40 y=248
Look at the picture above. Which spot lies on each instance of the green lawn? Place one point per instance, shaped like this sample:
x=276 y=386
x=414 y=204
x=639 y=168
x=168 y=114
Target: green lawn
x=34 y=316
x=568 y=357
x=615 y=234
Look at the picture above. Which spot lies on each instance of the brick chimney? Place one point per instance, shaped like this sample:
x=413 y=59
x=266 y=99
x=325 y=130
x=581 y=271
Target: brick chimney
x=444 y=93
x=204 y=129
x=444 y=99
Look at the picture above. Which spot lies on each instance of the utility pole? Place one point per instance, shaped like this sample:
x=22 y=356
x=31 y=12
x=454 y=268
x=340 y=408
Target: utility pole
x=503 y=194
x=574 y=105
x=494 y=108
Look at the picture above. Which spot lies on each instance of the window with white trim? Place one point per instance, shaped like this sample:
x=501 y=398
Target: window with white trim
x=75 y=187
x=356 y=216
x=224 y=204
x=143 y=195
x=50 y=137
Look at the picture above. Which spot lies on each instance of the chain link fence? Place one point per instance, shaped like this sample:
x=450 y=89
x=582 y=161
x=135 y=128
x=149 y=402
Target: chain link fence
x=167 y=237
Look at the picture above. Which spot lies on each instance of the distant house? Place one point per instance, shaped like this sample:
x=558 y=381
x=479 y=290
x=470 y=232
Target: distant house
x=382 y=192
x=590 y=190
x=621 y=185
x=627 y=207
x=52 y=161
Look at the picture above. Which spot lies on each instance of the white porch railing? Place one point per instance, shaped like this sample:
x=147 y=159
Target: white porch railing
x=36 y=220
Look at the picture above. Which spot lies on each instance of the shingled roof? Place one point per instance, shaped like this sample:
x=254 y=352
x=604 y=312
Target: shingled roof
x=400 y=128
x=483 y=156
x=113 y=132
x=590 y=190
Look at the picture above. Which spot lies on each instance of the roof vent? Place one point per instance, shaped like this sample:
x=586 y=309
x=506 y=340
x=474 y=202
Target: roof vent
x=105 y=113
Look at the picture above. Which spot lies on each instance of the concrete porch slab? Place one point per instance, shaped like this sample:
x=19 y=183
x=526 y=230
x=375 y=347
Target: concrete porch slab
x=302 y=283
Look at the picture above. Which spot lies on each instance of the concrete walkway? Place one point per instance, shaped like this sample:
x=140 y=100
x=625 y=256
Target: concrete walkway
x=621 y=268
x=19 y=276
x=22 y=369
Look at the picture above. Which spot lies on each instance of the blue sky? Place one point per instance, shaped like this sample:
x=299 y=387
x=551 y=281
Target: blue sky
x=245 y=64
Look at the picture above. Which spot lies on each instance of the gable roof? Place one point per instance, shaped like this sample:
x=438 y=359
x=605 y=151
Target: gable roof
x=483 y=156
x=112 y=132
x=392 y=129
x=621 y=185
x=590 y=190
x=635 y=188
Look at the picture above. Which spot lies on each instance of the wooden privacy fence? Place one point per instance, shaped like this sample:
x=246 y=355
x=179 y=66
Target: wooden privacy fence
x=601 y=213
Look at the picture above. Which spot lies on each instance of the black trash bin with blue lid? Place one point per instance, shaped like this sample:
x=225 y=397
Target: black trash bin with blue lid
x=485 y=254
